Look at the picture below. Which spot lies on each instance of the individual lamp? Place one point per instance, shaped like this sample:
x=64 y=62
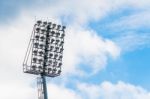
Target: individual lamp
x=54 y=71
x=63 y=28
x=50 y=55
x=55 y=56
x=37 y=30
x=51 y=48
x=40 y=61
x=61 y=43
x=59 y=71
x=44 y=23
x=33 y=67
x=54 y=63
x=36 y=45
x=42 y=38
x=57 y=34
x=41 y=46
x=34 y=60
x=37 y=37
x=58 y=27
x=52 y=33
x=39 y=22
x=41 y=53
x=62 y=35
x=61 y=50
x=60 y=57
x=59 y=65
x=35 y=52
x=53 y=26
x=52 y=40
x=57 y=41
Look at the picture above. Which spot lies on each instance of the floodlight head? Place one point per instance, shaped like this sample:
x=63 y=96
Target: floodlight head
x=52 y=33
x=52 y=40
x=41 y=46
x=45 y=23
x=54 y=64
x=40 y=61
x=57 y=41
x=61 y=50
x=37 y=37
x=42 y=38
x=51 y=48
x=50 y=55
x=56 y=49
x=38 y=30
x=33 y=67
x=39 y=22
x=59 y=65
x=61 y=43
x=40 y=69
x=50 y=62
x=54 y=70
x=59 y=71
x=62 y=35
x=34 y=60
x=43 y=30
x=49 y=69
x=58 y=27
x=53 y=26
x=57 y=34
x=41 y=53
x=36 y=45
x=49 y=23
x=35 y=52
x=63 y=28
x=46 y=51
x=60 y=57
x=55 y=56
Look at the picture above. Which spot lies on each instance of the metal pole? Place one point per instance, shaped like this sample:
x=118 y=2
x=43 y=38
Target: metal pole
x=44 y=66
x=44 y=87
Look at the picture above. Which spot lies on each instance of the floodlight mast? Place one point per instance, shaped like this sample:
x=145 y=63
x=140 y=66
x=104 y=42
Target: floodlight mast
x=44 y=53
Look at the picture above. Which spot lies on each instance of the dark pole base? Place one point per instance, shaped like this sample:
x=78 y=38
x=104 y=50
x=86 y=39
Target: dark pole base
x=44 y=87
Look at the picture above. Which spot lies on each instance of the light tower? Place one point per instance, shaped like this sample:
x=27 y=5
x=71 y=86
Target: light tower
x=44 y=53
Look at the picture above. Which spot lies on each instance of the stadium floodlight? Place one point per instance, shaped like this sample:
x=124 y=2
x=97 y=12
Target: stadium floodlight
x=45 y=52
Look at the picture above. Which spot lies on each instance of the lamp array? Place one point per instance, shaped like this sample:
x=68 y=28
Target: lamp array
x=47 y=49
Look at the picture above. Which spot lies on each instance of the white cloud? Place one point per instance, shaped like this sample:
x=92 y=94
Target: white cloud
x=131 y=22
x=86 y=47
x=17 y=90
x=133 y=31
x=132 y=41
x=14 y=84
x=60 y=92
x=107 y=90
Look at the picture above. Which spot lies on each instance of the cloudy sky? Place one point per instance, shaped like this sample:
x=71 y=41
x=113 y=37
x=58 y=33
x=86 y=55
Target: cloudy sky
x=107 y=48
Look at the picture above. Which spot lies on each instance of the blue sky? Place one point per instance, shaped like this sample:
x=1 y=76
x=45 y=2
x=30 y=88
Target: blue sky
x=132 y=65
x=107 y=48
